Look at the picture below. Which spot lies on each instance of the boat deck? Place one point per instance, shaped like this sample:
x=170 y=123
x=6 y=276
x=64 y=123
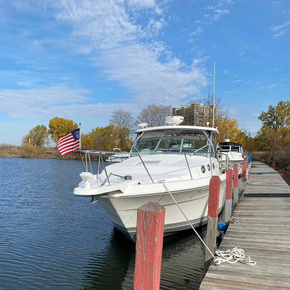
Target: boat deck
x=262 y=229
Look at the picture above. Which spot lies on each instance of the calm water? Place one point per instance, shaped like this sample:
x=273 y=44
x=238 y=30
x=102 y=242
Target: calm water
x=51 y=239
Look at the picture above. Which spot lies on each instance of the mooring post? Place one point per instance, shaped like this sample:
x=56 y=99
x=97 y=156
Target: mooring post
x=249 y=162
x=247 y=169
x=243 y=178
x=236 y=184
x=229 y=195
x=212 y=216
x=149 y=244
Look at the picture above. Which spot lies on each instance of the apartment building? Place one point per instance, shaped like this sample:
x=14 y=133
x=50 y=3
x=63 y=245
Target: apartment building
x=196 y=114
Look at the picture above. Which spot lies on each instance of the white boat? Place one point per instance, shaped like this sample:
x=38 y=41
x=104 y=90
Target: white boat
x=167 y=165
x=231 y=153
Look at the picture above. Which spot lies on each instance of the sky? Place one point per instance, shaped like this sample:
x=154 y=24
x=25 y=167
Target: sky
x=82 y=60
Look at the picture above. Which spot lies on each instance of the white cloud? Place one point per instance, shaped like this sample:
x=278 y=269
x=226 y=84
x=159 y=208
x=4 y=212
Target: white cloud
x=157 y=82
x=119 y=42
x=197 y=31
x=48 y=102
x=124 y=57
x=272 y=86
x=24 y=84
x=218 y=13
x=30 y=103
x=218 y=10
x=237 y=81
x=280 y=30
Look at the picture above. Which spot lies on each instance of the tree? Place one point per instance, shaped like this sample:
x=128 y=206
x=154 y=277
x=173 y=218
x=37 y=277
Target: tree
x=105 y=138
x=155 y=115
x=59 y=127
x=228 y=129
x=123 y=121
x=87 y=141
x=275 y=118
x=38 y=136
x=25 y=141
x=209 y=102
x=248 y=142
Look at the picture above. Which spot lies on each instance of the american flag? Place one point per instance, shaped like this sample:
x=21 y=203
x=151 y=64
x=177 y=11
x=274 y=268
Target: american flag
x=69 y=143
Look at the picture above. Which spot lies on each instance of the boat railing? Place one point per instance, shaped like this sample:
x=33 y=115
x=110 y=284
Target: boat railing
x=101 y=155
x=226 y=159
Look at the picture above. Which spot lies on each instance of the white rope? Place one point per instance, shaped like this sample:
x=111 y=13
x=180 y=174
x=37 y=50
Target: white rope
x=162 y=182
x=233 y=256
x=229 y=256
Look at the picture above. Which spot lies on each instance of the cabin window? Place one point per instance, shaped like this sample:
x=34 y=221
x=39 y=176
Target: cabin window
x=146 y=146
x=175 y=140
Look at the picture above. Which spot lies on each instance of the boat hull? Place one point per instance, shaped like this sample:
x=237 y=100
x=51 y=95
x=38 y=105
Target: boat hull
x=123 y=210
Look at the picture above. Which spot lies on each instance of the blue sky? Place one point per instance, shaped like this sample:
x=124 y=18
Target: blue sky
x=81 y=60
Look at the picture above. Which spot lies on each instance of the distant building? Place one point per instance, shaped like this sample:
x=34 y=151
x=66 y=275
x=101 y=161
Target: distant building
x=196 y=114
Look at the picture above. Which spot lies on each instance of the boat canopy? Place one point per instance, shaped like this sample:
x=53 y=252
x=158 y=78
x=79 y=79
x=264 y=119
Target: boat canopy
x=169 y=139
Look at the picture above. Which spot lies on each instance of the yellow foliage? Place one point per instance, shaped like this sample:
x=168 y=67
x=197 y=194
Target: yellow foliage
x=59 y=127
x=105 y=138
x=228 y=129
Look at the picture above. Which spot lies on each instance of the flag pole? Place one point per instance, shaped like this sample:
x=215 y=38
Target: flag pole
x=80 y=126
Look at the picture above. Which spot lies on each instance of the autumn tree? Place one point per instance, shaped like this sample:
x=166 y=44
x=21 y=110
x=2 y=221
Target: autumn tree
x=123 y=121
x=105 y=138
x=25 y=141
x=248 y=142
x=59 y=127
x=39 y=136
x=155 y=115
x=228 y=129
x=264 y=139
x=87 y=141
x=275 y=118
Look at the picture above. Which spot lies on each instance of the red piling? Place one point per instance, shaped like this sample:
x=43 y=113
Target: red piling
x=244 y=169
x=236 y=184
x=212 y=218
x=247 y=169
x=149 y=244
x=229 y=193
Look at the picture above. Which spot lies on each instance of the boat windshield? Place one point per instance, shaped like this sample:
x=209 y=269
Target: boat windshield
x=226 y=148
x=167 y=142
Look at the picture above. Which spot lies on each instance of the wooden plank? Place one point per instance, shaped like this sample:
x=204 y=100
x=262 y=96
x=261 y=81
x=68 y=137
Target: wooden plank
x=262 y=229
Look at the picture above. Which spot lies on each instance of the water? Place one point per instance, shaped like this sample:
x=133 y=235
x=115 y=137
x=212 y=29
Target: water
x=286 y=177
x=51 y=239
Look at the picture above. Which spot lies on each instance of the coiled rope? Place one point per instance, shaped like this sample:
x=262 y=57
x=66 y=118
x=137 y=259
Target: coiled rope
x=229 y=256
x=232 y=256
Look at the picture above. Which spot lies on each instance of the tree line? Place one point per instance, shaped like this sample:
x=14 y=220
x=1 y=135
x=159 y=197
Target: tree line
x=272 y=140
x=118 y=134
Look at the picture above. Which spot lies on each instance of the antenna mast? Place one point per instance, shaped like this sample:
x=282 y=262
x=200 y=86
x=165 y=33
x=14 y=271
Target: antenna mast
x=213 y=97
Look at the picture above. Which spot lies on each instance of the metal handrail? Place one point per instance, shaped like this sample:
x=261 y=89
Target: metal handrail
x=188 y=166
x=146 y=168
x=227 y=159
x=100 y=154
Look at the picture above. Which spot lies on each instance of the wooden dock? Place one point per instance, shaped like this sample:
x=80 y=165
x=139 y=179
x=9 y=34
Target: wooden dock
x=262 y=229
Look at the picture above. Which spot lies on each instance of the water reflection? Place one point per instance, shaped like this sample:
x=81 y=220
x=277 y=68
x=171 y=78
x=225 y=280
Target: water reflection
x=182 y=263
x=51 y=239
x=106 y=270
